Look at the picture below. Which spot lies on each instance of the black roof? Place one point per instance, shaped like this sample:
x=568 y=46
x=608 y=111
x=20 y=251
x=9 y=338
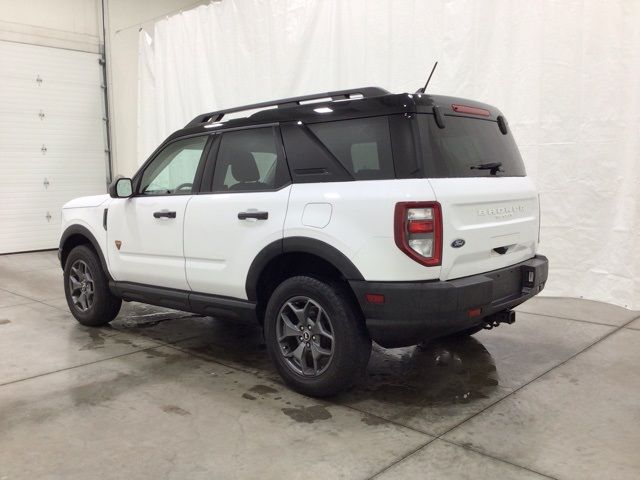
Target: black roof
x=330 y=106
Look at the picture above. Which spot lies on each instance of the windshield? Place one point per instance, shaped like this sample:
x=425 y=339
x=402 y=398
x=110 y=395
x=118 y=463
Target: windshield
x=467 y=147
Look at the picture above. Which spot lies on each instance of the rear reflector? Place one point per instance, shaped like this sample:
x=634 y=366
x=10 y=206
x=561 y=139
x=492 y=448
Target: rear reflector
x=475 y=312
x=471 y=110
x=375 y=298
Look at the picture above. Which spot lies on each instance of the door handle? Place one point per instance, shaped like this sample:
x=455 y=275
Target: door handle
x=256 y=215
x=164 y=213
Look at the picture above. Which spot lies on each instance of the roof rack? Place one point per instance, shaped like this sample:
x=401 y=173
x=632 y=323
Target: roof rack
x=289 y=102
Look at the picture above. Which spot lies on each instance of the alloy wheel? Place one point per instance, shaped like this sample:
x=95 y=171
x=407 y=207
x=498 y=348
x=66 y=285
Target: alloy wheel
x=81 y=286
x=305 y=336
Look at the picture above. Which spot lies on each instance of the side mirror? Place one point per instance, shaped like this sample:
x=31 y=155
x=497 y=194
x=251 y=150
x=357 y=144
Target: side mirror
x=121 y=188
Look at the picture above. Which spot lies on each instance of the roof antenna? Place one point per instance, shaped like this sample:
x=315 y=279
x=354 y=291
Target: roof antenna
x=421 y=90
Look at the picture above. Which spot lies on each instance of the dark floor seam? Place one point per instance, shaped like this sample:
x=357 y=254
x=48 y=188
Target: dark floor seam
x=401 y=459
x=78 y=366
x=43 y=302
x=385 y=420
x=507 y=462
x=18 y=295
x=571 y=319
x=466 y=447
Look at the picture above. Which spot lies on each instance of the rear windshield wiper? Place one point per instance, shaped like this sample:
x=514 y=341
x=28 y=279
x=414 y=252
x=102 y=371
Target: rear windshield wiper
x=494 y=167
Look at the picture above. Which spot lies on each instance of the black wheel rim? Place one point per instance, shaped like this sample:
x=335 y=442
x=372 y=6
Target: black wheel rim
x=305 y=336
x=81 y=286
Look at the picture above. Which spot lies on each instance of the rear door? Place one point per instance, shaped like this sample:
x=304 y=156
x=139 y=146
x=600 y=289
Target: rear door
x=243 y=211
x=490 y=213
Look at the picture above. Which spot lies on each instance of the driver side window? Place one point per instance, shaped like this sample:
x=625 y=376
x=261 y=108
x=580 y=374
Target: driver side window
x=173 y=170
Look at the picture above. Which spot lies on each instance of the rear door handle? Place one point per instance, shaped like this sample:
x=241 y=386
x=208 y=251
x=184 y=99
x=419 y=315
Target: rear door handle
x=256 y=215
x=165 y=214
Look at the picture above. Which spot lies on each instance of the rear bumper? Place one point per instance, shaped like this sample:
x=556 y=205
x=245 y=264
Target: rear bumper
x=417 y=311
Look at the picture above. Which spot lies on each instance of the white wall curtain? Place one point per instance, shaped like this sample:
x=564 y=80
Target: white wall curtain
x=566 y=74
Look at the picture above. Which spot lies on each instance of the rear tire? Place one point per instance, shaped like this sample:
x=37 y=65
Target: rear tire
x=86 y=288
x=315 y=336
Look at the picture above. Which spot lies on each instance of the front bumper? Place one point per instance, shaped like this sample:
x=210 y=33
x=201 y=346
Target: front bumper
x=417 y=311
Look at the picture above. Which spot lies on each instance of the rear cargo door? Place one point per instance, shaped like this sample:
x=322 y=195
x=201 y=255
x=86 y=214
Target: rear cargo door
x=489 y=207
x=488 y=223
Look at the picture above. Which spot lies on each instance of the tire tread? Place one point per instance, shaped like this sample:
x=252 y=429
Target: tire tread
x=106 y=305
x=349 y=363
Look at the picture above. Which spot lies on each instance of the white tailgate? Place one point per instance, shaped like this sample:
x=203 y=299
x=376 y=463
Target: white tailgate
x=488 y=214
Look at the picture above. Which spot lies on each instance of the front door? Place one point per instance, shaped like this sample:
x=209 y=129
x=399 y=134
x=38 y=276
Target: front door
x=145 y=232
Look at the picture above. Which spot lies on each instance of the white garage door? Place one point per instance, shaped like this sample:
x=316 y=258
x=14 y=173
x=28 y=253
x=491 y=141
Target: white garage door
x=52 y=141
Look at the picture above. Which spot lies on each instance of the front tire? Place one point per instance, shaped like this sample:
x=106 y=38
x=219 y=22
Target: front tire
x=315 y=336
x=86 y=288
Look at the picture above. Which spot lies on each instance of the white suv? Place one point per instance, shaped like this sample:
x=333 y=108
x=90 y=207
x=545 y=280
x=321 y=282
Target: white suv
x=331 y=220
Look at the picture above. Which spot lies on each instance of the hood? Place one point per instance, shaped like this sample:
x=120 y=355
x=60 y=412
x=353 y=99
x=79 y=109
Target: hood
x=83 y=202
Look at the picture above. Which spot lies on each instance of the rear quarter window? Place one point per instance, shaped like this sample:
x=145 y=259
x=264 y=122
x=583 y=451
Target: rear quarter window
x=361 y=145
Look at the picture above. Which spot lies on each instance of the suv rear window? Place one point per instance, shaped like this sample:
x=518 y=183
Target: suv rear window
x=463 y=143
x=361 y=145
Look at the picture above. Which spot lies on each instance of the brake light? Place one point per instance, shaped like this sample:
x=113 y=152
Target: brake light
x=420 y=226
x=471 y=110
x=418 y=231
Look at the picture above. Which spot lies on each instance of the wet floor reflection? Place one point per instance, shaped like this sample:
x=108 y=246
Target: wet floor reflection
x=440 y=373
x=443 y=372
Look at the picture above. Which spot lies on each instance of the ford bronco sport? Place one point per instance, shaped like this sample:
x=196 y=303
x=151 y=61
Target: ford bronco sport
x=331 y=220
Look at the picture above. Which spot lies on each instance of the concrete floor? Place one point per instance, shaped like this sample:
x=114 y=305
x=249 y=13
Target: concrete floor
x=165 y=394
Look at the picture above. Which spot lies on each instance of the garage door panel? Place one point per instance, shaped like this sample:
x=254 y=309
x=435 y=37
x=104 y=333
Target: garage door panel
x=51 y=136
x=56 y=163
x=26 y=187
x=33 y=235
x=56 y=129
x=30 y=61
x=19 y=96
x=52 y=141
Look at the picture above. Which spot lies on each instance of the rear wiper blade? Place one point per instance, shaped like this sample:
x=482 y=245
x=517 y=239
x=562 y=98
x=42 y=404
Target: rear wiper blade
x=494 y=167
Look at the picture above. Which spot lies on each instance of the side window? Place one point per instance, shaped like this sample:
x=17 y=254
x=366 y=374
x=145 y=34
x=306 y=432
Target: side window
x=173 y=170
x=248 y=160
x=362 y=145
x=308 y=159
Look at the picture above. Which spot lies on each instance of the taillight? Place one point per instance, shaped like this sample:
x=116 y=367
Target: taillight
x=418 y=231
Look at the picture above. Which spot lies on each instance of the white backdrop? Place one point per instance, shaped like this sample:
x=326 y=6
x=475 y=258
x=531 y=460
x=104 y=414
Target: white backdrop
x=566 y=74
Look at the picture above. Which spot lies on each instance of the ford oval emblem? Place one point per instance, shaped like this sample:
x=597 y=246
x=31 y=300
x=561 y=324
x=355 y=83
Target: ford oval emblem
x=457 y=243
